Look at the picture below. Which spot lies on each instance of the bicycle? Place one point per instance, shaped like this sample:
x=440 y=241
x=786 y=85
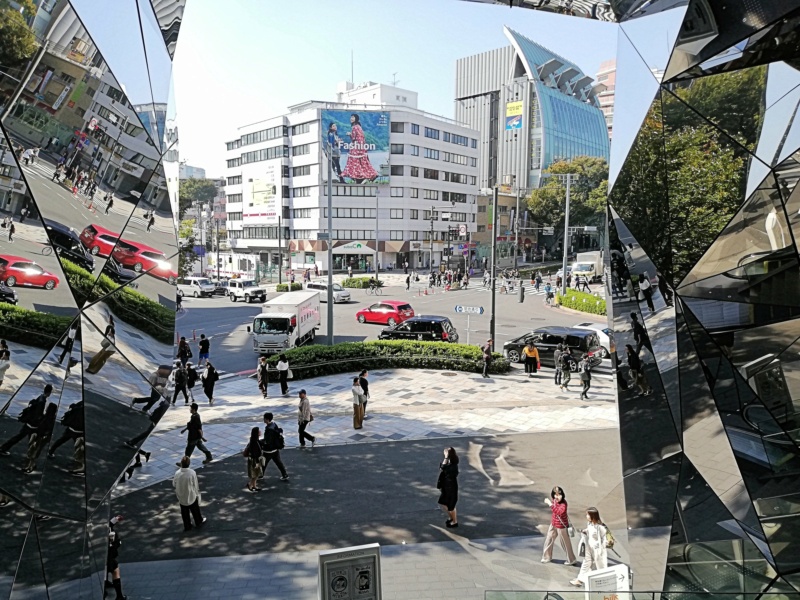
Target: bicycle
x=548 y=299
x=47 y=250
x=374 y=290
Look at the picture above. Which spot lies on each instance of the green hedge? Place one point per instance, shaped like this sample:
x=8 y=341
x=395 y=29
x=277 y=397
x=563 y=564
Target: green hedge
x=284 y=287
x=359 y=282
x=351 y=357
x=129 y=305
x=25 y=326
x=582 y=302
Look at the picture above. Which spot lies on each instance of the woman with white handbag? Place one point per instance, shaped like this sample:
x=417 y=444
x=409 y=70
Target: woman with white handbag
x=595 y=539
x=284 y=374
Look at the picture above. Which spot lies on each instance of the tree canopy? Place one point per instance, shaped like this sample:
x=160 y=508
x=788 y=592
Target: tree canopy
x=17 y=42
x=194 y=190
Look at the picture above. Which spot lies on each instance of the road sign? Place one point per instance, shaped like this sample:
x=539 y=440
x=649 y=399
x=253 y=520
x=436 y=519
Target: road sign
x=92 y=124
x=470 y=310
x=548 y=230
x=462 y=230
x=323 y=235
x=590 y=228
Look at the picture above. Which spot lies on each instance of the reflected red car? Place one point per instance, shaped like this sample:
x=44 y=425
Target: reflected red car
x=139 y=257
x=17 y=270
x=98 y=240
x=386 y=312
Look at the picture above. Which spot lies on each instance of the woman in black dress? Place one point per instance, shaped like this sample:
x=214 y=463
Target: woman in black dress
x=448 y=484
x=209 y=378
x=253 y=454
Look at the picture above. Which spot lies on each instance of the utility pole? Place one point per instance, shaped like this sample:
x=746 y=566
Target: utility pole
x=494 y=268
x=377 y=256
x=566 y=240
x=330 y=247
x=431 y=263
x=516 y=231
x=280 y=250
x=216 y=222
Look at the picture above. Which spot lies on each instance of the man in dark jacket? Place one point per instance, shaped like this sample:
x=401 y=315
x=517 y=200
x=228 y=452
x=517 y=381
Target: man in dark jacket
x=272 y=444
x=487 y=357
x=195 y=438
x=181 y=381
x=640 y=334
x=30 y=418
x=73 y=423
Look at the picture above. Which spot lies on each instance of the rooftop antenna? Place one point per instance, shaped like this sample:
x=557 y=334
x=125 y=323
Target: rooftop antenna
x=395 y=80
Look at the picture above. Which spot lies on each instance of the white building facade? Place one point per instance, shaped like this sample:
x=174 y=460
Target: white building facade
x=424 y=206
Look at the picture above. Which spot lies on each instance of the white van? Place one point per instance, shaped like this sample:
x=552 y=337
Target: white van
x=339 y=293
x=196 y=286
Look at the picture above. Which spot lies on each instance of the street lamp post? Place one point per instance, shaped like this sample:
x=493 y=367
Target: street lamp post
x=494 y=268
x=566 y=240
x=377 y=256
x=280 y=251
x=216 y=222
x=431 y=262
x=330 y=246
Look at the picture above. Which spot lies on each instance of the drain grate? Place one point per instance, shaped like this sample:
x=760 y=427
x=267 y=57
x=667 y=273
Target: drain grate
x=449 y=374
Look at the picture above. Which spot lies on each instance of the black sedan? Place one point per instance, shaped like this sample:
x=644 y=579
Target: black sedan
x=7 y=294
x=547 y=339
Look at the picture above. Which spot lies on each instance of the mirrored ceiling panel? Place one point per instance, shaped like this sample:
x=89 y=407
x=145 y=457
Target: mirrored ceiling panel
x=169 y=15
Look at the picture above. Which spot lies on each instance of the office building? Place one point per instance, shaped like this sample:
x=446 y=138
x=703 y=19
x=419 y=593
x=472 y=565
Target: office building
x=606 y=89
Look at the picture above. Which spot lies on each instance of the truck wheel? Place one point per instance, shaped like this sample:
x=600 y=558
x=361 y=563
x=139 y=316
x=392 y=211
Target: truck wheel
x=247 y=298
x=232 y=297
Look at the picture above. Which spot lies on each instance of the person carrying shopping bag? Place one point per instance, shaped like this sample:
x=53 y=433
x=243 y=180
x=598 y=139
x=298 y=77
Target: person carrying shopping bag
x=596 y=538
x=304 y=417
x=359 y=400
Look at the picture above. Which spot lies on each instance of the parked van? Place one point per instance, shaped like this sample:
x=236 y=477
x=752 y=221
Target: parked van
x=196 y=286
x=339 y=293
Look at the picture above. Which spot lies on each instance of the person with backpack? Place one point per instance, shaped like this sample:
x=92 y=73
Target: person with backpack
x=30 y=417
x=191 y=378
x=74 y=428
x=181 y=381
x=557 y=364
x=184 y=351
x=40 y=437
x=155 y=417
x=585 y=371
x=565 y=363
x=272 y=444
x=209 y=377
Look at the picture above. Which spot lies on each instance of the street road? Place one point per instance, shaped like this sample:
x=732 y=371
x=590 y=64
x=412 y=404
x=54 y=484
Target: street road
x=231 y=347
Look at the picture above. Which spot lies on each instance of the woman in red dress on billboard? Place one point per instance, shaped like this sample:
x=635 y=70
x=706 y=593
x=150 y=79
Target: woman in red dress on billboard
x=358 y=167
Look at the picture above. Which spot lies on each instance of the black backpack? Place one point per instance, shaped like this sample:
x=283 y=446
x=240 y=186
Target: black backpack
x=275 y=441
x=191 y=376
x=72 y=418
x=33 y=413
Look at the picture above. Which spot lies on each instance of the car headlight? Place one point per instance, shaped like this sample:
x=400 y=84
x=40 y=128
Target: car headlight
x=286 y=343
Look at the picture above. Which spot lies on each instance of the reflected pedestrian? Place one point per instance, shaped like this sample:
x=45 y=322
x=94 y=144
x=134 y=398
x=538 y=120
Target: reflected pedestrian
x=74 y=428
x=646 y=288
x=559 y=526
x=69 y=342
x=40 y=438
x=595 y=540
x=304 y=417
x=155 y=417
x=151 y=221
x=408 y=281
x=107 y=348
x=112 y=559
x=640 y=335
x=359 y=399
x=158 y=389
x=448 y=484
x=283 y=374
x=5 y=360
x=252 y=452
x=187 y=489
x=30 y=417
x=637 y=371
x=11 y=231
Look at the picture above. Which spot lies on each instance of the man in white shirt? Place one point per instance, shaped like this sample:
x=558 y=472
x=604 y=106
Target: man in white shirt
x=188 y=491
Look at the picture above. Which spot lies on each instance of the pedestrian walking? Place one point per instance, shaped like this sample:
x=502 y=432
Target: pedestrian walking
x=448 y=486
x=637 y=371
x=109 y=201
x=107 y=348
x=69 y=342
x=559 y=527
x=252 y=452
x=184 y=351
x=181 y=383
x=73 y=423
x=30 y=417
x=112 y=559
x=408 y=281
x=209 y=378
x=5 y=360
x=262 y=376
x=359 y=399
x=531 y=354
x=304 y=417
x=196 y=437
x=585 y=373
x=487 y=357
x=557 y=364
x=40 y=438
x=204 y=349
x=155 y=417
x=646 y=291
x=272 y=444
x=151 y=221
x=284 y=373
x=596 y=538
x=158 y=389
x=565 y=365
x=191 y=379
x=363 y=381
x=349 y=270
x=11 y=231
x=640 y=335
x=187 y=489
x=663 y=287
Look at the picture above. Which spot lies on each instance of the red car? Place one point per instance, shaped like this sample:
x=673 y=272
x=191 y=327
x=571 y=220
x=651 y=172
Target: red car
x=98 y=240
x=16 y=270
x=136 y=256
x=386 y=312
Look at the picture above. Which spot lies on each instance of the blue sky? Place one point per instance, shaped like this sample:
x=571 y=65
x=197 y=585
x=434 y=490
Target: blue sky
x=241 y=61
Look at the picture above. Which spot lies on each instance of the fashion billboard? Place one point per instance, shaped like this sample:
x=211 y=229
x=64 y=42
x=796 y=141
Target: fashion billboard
x=513 y=115
x=358 y=142
x=264 y=199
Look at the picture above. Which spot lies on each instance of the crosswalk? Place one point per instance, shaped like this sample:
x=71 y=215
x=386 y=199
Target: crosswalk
x=477 y=284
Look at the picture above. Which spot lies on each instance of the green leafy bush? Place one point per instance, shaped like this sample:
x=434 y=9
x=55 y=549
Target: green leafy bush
x=351 y=357
x=359 y=282
x=284 y=287
x=30 y=327
x=582 y=302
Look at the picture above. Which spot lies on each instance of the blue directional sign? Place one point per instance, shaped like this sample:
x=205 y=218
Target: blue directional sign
x=470 y=310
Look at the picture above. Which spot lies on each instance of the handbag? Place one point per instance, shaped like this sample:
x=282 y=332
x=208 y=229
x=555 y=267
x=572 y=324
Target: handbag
x=289 y=374
x=610 y=540
x=640 y=295
x=570 y=528
x=105 y=343
x=312 y=417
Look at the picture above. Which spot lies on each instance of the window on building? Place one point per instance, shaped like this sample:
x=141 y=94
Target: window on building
x=414 y=213
x=413 y=236
x=461 y=140
x=481 y=208
x=300 y=171
x=473 y=180
x=397 y=170
x=397 y=127
x=396 y=149
x=415 y=129
x=264 y=154
x=445 y=137
x=235 y=180
x=301 y=150
x=431 y=153
x=473 y=143
x=415 y=171
x=430 y=174
x=396 y=234
x=302 y=213
x=413 y=192
x=427 y=215
x=473 y=162
x=351 y=213
x=234 y=216
x=233 y=145
x=234 y=162
x=301 y=192
x=233 y=198
x=432 y=133
x=396 y=213
x=301 y=128
x=285 y=192
x=396 y=192
x=481 y=228
x=414 y=150
x=273 y=133
x=354 y=190
x=431 y=194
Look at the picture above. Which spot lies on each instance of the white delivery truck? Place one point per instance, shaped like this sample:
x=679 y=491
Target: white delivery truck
x=287 y=321
x=589 y=264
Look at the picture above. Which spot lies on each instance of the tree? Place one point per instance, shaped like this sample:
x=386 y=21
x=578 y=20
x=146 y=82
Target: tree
x=187 y=255
x=17 y=42
x=192 y=191
x=588 y=192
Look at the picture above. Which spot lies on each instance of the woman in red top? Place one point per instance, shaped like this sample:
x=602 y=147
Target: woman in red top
x=559 y=524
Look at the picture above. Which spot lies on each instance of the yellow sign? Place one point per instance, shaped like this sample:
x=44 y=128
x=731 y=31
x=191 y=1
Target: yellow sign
x=513 y=109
